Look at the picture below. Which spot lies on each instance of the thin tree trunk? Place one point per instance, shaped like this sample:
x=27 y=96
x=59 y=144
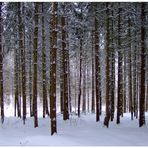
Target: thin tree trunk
x=119 y=97
x=107 y=117
x=45 y=101
x=112 y=71
x=53 y=51
x=1 y=67
x=93 y=89
x=80 y=79
x=130 y=70
x=84 y=87
x=88 y=99
x=35 y=50
x=124 y=83
x=65 y=69
x=97 y=64
x=30 y=76
x=143 y=56
x=22 y=48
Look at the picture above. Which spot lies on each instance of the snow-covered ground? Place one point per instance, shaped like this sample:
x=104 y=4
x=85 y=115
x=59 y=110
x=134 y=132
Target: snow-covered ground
x=82 y=131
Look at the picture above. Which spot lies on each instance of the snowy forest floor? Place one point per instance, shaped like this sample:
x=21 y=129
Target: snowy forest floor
x=83 y=131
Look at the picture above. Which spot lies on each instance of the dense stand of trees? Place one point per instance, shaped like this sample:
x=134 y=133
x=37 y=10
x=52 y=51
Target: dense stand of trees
x=74 y=58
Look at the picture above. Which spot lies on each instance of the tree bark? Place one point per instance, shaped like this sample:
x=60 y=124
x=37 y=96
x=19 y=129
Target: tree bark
x=97 y=64
x=53 y=51
x=65 y=70
x=45 y=100
x=120 y=87
x=1 y=67
x=35 y=51
x=143 y=56
x=22 y=49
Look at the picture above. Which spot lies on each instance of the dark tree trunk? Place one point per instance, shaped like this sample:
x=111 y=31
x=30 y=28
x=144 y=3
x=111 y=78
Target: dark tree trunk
x=97 y=64
x=143 y=56
x=93 y=80
x=108 y=107
x=120 y=87
x=45 y=100
x=130 y=69
x=35 y=51
x=30 y=76
x=22 y=49
x=65 y=69
x=80 y=79
x=1 y=67
x=53 y=51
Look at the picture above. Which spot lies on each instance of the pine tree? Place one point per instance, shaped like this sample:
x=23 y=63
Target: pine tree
x=143 y=57
x=65 y=70
x=130 y=69
x=84 y=86
x=1 y=67
x=35 y=52
x=22 y=48
x=17 y=102
x=45 y=101
x=93 y=68
x=107 y=117
x=30 y=75
x=53 y=51
x=80 y=67
x=97 y=64
x=112 y=69
x=119 y=97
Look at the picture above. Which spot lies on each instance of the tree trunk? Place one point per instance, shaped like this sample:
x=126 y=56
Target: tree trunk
x=112 y=71
x=65 y=69
x=130 y=70
x=1 y=67
x=45 y=101
x=120 y=87
x=35 y=52
x=80 y=79
x=30 y=75
x=84 y=87
x=143 y=56
x=93 y=80
x=108 y=107
x=22 y=49
x=97 y=64
x=53 y=51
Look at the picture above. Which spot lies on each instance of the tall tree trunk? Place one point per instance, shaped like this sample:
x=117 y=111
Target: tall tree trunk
x=80 y=78
x=53 y=51
x=135 y=100
x=69 y=81
x=97 y=64
x=130 y=69
x=124 y=82
x=65 y=69
x=84 y=87
x=108 y=107
x=30 y=75
x=22 y=48
x=120 y=87
x=35 y=51
x=88 y=87
x=45 y=101
x=93 y=80
x=17 y=103
x=61 y=83
x=143 y=56
x=1 y=67
x=112 y=70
